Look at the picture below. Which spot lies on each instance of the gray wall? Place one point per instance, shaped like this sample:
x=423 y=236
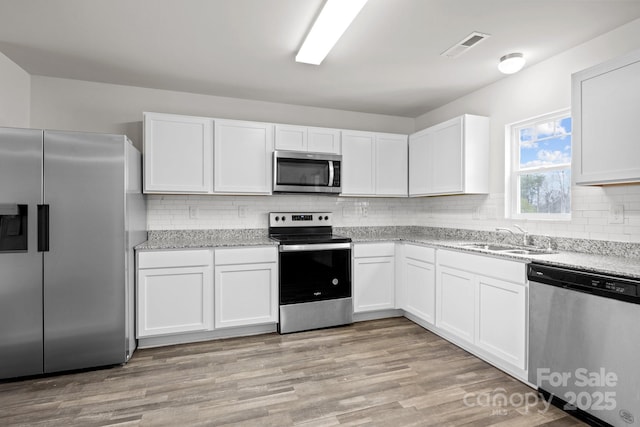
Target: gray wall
x=98 y=107
x=15 y=94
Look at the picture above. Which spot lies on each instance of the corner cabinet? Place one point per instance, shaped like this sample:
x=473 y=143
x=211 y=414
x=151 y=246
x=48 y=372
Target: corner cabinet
x=174 y=292
x=605 y=106
x=246 y=286
x=242 y=153
x=374 y=164
x=450 y=158
x=178 y=154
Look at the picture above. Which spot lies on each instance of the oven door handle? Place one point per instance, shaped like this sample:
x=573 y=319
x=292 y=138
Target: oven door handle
x=315 y=247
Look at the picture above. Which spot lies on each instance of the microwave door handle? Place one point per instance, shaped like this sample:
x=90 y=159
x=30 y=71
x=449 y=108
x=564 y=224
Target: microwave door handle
x=331 y=173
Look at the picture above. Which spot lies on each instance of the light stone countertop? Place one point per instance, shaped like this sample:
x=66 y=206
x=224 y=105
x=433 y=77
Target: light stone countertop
x=605 y=257
x=188 y=239
x=594 y=263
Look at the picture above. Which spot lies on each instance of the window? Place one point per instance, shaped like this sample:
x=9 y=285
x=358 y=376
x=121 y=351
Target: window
x=540 y=167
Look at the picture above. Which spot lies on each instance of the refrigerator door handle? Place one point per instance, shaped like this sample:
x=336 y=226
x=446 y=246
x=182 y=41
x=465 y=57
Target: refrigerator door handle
x=43 y=228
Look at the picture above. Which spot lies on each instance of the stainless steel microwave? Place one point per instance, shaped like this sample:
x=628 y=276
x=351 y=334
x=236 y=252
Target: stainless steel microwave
x=301 y=172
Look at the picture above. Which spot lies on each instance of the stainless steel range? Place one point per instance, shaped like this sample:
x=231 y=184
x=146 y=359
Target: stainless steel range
x=315 y=271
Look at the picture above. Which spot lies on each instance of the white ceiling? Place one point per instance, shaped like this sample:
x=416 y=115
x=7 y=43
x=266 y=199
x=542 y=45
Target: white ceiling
x=387 y=62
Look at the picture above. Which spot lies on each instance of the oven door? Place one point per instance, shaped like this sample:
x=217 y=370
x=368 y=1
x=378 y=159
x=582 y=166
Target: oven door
x=314 y=272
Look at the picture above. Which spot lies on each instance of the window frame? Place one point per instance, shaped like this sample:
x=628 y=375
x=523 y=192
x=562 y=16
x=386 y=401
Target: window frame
x=512 y=162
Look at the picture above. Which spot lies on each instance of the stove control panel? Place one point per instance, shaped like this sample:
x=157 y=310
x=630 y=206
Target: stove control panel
x=300 y=219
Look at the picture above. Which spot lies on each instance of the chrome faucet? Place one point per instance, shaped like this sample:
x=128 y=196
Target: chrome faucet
x=506 y=229
x=525 y=233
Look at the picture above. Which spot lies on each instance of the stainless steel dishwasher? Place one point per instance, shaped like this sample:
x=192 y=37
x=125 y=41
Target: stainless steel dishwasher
x=584 y=343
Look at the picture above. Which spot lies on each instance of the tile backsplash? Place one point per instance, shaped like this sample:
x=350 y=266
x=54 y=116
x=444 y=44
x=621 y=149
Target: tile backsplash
x=592 y=216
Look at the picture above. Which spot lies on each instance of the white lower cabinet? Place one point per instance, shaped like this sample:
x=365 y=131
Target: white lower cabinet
x=456 y=302
x=181 y=293
x=175 y=292
x=246 y=286
x=482 y=305
x=373 y=276
x=419 y=282
x=501 y=318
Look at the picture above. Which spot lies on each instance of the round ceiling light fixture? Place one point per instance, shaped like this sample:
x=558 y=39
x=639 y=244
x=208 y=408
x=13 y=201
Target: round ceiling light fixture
x=511 y=63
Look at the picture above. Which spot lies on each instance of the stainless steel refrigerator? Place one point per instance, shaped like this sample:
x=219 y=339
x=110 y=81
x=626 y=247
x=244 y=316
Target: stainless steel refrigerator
x=71 y=211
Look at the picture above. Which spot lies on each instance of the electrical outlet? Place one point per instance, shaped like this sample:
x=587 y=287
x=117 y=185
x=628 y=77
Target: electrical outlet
x=242 y=211
x=194 y=212
x=616 y=214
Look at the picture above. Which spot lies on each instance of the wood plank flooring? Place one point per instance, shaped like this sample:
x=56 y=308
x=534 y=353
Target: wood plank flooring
x=387 y=372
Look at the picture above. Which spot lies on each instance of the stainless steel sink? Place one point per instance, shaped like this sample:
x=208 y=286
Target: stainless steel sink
x=488 y=246
x=508 y=249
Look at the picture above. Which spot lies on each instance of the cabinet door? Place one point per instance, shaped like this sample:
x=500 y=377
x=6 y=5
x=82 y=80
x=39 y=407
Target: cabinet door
x=447 y=158
x=455 y=302
x=243 y=152
x=323 y=140
x=420 y=158
x=373 y=284
x=501 y=320
x=291 y=138
x=174 y=300
x=605 y=106
x=358 y=163
x=246 y=294
x=178 y=154
x=420 y=287
x=391 y=167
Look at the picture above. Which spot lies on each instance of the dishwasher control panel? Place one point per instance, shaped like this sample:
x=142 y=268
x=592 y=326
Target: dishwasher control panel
x=619 y=288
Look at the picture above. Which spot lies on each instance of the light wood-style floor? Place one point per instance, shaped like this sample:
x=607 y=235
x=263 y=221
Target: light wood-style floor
x=387 y=372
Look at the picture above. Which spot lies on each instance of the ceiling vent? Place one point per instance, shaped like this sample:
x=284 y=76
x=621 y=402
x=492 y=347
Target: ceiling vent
x=464 y=45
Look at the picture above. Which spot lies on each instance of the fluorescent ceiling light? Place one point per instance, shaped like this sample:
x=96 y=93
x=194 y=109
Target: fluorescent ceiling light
x=335 y=17
x=511 y=63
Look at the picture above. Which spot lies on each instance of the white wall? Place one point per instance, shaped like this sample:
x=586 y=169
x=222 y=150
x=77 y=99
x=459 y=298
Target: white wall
x=539 y=89
x=98 y=107
x=15 y=94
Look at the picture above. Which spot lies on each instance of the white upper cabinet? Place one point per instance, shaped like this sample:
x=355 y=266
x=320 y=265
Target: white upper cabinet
x=358 y=158
x=391 y=164
x=450 y=158
x=605 y=108
x=243 y=152
x=302 y=138
x=178 y=154
x=374 y=164
x=291 y=138
x=324 y=140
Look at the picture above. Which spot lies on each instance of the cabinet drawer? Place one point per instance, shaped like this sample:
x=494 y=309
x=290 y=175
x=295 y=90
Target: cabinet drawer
x=420 y=253
x=363 y=250
x=512 y=271
x=245 y=255
x=174 y=258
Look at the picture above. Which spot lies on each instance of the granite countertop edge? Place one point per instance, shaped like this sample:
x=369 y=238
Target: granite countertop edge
x=594 y=263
